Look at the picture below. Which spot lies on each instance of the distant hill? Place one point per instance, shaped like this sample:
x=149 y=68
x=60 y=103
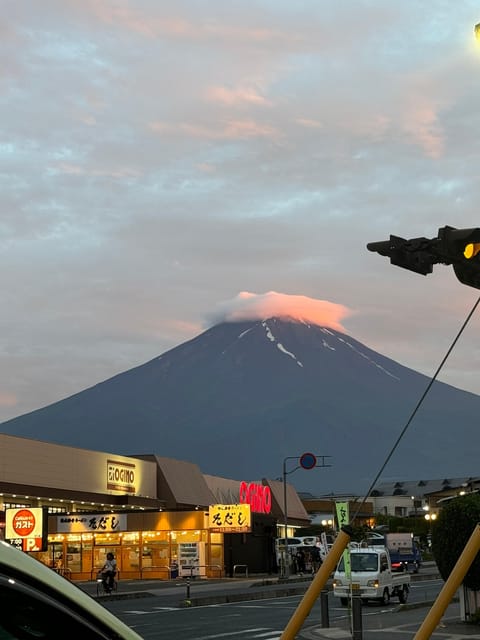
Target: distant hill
x=243 y=396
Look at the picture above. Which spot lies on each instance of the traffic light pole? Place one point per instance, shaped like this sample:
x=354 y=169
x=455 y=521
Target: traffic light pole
x=286 y=566
x=306 y=461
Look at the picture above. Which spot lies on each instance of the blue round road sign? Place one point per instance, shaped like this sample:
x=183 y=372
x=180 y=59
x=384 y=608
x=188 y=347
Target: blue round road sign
x=308 y=461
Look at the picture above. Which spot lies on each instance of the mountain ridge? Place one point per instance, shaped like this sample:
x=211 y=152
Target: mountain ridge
x=242 y=396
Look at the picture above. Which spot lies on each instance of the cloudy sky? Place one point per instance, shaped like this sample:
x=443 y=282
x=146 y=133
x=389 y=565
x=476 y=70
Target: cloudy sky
x=164 y=163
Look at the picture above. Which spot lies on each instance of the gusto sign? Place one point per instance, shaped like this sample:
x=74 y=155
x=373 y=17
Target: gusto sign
x=25 y=528
x=257 y=496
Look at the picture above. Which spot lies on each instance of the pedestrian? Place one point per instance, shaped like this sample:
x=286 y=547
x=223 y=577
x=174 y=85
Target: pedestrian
x=316 y=559
x=301 y=561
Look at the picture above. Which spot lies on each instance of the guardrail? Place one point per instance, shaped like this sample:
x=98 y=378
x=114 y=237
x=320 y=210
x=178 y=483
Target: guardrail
x=63 y=571
x=160 y=567
x=240 y=566
x=192 y=568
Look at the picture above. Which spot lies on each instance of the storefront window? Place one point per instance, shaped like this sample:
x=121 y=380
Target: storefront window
x=87 y=551
x=107 y=538
x=216 y=558
x=73 y=560
x=199 y=535
x=156 y=551
x=130 y=559
x=131 y=537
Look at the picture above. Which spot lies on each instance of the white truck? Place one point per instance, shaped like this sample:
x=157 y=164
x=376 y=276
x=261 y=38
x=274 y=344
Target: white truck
x=404 y=552
x=371 y=577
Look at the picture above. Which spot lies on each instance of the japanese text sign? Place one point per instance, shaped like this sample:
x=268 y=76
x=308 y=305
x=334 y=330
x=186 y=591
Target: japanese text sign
x=96 y=523
x=25 y=528
x=229 y=518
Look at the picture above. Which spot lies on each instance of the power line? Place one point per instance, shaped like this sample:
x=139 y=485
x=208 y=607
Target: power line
x=404 y=430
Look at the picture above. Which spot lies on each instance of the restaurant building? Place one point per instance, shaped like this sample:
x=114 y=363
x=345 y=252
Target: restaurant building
x=162 y=518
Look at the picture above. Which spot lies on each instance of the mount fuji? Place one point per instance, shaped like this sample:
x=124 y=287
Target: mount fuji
x=243 y=397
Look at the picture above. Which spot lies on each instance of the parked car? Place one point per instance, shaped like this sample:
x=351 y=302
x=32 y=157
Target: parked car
x=37 y=602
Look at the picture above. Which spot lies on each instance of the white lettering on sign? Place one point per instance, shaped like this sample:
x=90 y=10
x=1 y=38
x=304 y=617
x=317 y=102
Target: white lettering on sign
x=120 y=476
x=24 y=528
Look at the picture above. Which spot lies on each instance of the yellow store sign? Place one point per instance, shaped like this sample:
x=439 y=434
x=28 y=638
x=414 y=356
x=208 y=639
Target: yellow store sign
x=229 y=518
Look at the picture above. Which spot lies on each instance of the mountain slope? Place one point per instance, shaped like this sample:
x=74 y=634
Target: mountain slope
x=241 y=397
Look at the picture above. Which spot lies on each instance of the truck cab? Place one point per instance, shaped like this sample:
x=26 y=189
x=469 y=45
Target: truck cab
x=371 y=577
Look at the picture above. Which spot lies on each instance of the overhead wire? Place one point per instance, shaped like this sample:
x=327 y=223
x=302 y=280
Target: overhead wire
x=417 y=407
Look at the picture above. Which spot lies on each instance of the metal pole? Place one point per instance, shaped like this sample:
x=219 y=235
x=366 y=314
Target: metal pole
x=286 y=568
x=324 y=609
x=285 y=546
x=357 y=628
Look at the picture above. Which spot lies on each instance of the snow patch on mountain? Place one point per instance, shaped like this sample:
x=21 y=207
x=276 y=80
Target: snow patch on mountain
x=280 y=346
x=364 y=355
x=326 y=345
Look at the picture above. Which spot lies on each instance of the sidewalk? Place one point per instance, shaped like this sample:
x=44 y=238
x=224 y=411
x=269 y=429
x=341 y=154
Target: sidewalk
x=404 y=625
x=203 y=592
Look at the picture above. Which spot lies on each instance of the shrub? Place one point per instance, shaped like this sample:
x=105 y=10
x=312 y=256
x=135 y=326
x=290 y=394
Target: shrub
x=451 y=532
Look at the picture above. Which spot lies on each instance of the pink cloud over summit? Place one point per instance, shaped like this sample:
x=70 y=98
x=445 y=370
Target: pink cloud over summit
x=253 y=306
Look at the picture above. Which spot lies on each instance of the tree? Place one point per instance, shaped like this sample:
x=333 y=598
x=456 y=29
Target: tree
x=450 y=534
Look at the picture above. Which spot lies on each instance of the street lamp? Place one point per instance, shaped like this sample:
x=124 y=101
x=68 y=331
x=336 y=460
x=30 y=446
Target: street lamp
x=306 y=461
x=430 y=517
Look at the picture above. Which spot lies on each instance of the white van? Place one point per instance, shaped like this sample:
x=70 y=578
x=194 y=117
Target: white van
x=293 y=544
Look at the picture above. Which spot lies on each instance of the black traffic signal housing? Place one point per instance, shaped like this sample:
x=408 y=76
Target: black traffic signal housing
x=458 y=247
x=463 y=246
x=410 y=254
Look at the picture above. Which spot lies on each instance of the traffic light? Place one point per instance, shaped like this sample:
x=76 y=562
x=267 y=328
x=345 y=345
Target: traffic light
x=460 y=243
x=409 y=254
x=457 y=247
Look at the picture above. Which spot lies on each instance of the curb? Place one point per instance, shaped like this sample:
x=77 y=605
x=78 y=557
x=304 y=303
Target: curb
x=239 y=597
x=129 y=595
x=252 y=592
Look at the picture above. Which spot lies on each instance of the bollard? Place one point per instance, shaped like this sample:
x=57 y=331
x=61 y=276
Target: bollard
x=188 y=588
x=324 y=609
x=357 y=632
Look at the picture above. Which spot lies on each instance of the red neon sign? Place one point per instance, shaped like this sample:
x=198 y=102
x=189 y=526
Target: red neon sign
x=257 y=496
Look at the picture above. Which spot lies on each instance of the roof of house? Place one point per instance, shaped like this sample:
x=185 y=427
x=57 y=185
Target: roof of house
x=419 y=488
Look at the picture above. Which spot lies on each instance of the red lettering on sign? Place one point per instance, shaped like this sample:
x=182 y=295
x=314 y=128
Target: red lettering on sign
x=257 y=496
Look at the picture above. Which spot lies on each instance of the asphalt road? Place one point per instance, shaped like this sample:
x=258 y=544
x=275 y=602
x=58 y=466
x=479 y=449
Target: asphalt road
x=262 y=607
x=266 y=619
